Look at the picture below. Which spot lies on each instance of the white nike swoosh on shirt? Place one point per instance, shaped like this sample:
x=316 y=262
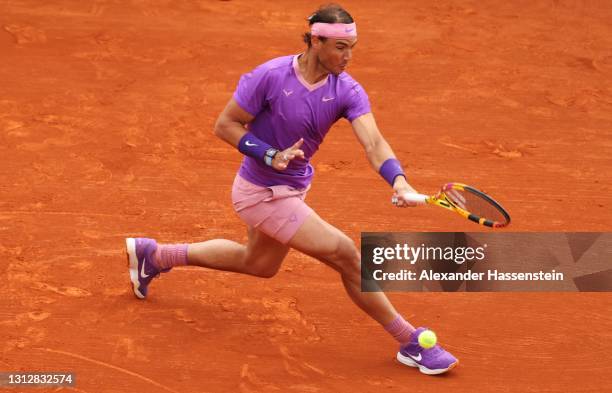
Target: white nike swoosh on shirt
x=325 y=99
x=249 y=143
x=142 y=271
x=287 y=92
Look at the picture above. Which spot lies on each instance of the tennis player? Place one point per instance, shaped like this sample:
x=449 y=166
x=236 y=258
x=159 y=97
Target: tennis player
x=278 y=117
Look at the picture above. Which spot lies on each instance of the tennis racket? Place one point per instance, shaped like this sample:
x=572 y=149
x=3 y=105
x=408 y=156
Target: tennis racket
x=467 y=201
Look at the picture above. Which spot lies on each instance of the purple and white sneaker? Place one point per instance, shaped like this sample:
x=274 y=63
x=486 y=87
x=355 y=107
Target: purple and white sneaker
x=140 y=261
x=431 y=361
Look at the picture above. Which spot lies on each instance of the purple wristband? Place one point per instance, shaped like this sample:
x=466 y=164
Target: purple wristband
x=390 y=169
x=252 y=146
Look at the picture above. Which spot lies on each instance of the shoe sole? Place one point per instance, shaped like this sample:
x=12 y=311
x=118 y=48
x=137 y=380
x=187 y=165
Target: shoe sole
x=408 y=361
x=132 y=258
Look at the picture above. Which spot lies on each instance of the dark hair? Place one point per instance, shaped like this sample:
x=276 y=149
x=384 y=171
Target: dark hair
x=329 y=13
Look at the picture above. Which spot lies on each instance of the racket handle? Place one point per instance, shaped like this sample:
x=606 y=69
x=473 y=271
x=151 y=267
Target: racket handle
x=419 y=199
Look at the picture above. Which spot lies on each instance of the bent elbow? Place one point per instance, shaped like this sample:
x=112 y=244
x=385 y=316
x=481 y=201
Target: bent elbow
x=371 y=146
x=218 y=129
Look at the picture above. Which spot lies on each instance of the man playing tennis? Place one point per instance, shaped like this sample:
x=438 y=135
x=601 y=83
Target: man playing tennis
x=278 y=117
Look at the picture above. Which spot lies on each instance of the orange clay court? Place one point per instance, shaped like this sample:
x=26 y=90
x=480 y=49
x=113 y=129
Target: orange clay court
x=106 y=117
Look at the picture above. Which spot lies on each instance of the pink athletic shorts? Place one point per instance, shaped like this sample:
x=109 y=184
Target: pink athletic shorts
x=277 y=211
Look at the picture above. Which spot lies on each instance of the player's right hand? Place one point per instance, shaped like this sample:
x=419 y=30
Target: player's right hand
x=282 y=158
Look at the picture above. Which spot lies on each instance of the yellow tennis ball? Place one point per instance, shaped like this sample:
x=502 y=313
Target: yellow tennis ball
x=427 y=339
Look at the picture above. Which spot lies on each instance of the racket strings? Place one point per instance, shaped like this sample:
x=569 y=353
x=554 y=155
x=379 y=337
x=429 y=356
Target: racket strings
x=476 y=204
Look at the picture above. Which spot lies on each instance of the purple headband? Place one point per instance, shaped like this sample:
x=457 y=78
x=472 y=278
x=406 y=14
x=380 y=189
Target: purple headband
x=334 y=30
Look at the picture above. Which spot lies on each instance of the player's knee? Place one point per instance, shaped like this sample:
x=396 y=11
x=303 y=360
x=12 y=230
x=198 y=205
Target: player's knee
x=261 y=271
x=348 y=258
x=264 y=273
x=352 y=269
x=262 y=268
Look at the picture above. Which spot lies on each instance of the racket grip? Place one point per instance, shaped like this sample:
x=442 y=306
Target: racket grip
x=419 y=199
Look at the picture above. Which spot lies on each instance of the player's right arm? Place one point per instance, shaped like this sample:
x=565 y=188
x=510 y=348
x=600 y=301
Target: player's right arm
x=231 y=123
x=231 y=127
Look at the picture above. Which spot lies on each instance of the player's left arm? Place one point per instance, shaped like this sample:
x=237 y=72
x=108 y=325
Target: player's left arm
x=380 y=155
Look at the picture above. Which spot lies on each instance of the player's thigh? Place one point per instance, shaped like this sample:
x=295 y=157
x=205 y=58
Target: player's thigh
x=319 y=239
x=264 y=254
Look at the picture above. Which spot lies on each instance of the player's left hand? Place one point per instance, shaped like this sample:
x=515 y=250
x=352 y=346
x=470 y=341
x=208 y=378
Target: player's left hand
x=282 y=158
